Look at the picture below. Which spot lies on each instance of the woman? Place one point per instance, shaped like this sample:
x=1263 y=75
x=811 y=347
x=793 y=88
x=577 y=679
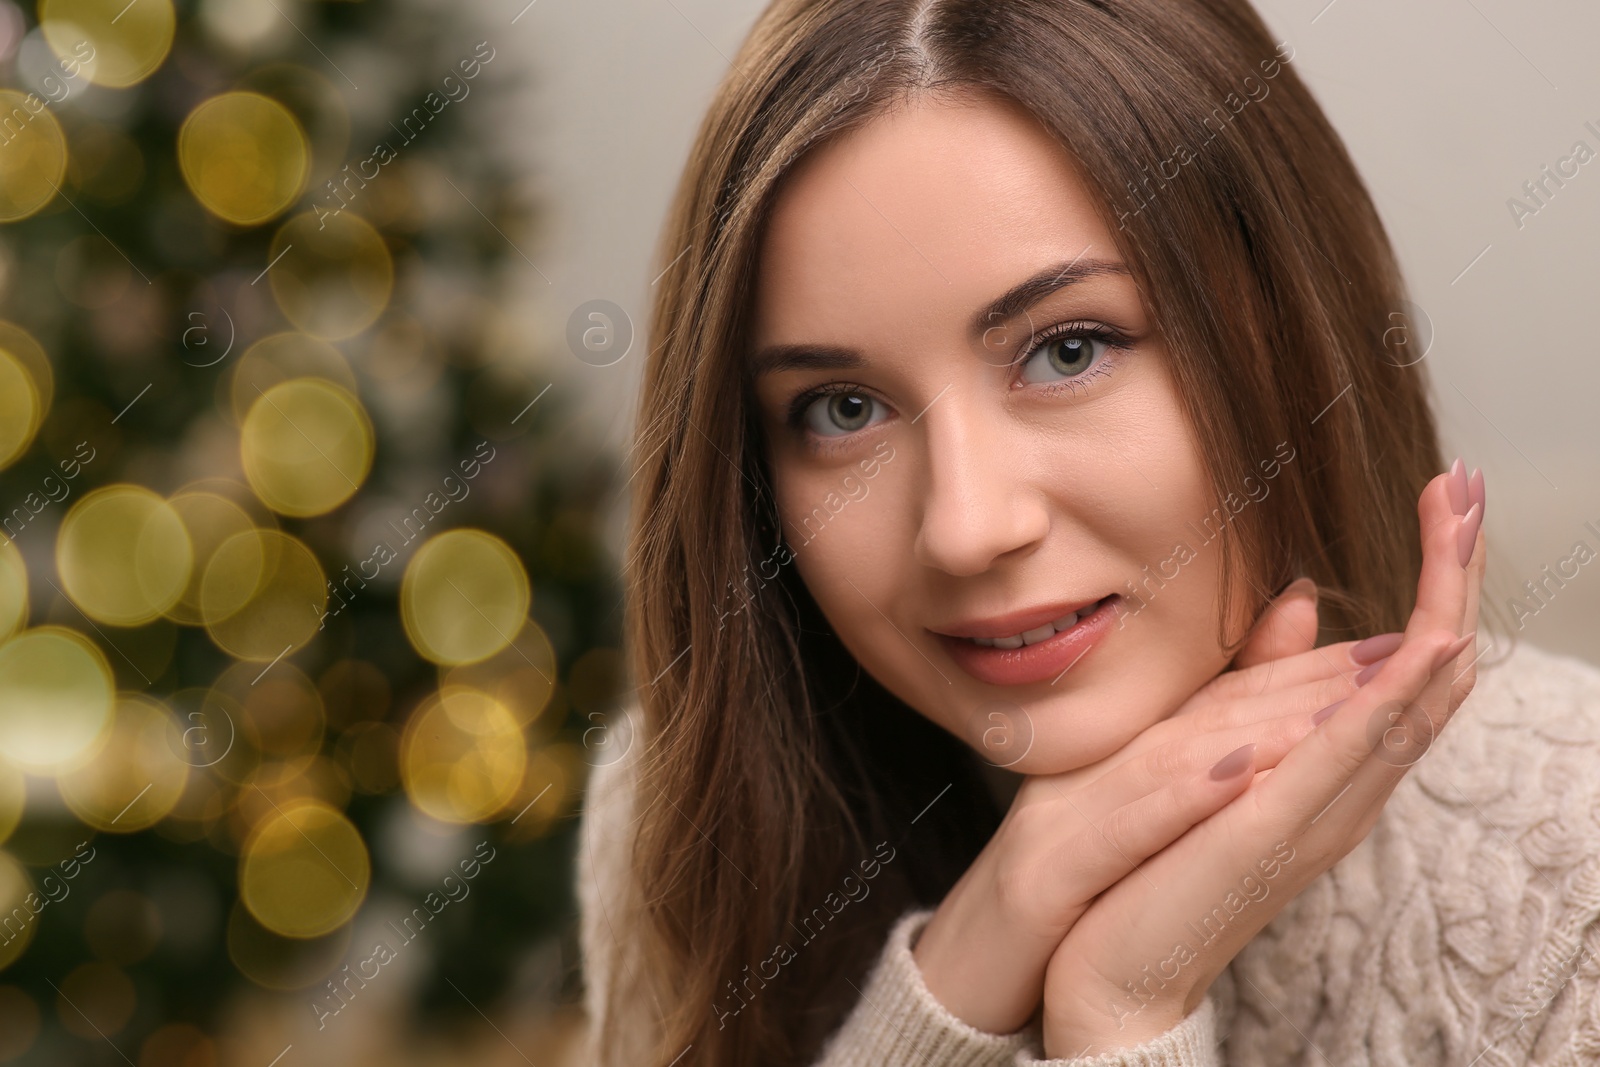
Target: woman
x=1011 y=356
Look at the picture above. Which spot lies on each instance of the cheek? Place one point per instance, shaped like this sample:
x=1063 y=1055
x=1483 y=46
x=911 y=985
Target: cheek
x=854 y=557
x=1164 y=518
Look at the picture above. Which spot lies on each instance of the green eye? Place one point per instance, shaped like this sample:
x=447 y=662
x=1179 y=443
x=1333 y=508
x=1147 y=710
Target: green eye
x=840 y=413
x=1062 y=357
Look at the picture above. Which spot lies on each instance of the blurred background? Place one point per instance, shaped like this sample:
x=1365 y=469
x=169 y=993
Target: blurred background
x=319 y=337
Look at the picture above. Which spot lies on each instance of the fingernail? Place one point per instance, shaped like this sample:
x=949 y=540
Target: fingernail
x=1371 y=672
x=1475 y=491
x=1456 y=487
x=1468 y=537
x=1375 y=648
x=1233 y=762
x=1456 y=648
x=1300 y=587
x=1320 y=717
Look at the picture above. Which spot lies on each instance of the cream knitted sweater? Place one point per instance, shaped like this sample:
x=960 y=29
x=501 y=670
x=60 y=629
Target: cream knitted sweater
x=1463 y=930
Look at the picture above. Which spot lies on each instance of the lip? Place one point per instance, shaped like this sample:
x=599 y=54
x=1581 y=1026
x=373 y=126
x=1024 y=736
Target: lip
x=1040 y=662
x=1015 y=623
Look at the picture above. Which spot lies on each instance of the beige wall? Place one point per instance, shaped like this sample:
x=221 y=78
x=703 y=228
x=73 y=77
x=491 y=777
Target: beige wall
x=1448 y=108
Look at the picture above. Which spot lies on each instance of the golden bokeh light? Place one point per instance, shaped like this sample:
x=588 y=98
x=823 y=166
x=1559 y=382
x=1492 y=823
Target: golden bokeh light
x=15 y=888
x=280 y=709
x=462 y=756
x=554 y=777
x=280 y=357
x=21 y=344
x=20 y=413
x=95 y=1001
x=282 y=963
x=122 y=927
x=104 y=163
x=262 y=595
x=19 y=1023
x=204 y=802
x=55 y=697
x=135 y=775
x=335 y=274
x=209 y=519
x=13 y=798
x=178 y=1045
x=118 y=44
x=92 y=273
x=307 y=446
x=13 y=589
x=123 y=554
x=354 y=691
x=212 y=739
x=464 y=597
x=314 y=99
x=244 y=156
x=371 y=750
x=274 y=786
x=304 y=871
x=35 y=156
x=521 y=675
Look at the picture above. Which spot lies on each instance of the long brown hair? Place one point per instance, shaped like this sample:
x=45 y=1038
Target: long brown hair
x=772 y=764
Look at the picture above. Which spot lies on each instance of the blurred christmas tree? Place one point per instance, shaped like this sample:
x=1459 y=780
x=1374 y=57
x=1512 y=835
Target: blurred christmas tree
x=304 y=618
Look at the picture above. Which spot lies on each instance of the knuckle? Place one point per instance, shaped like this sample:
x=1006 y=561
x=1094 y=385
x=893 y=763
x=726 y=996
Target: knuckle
x=1014 y=880
x=1168 y=760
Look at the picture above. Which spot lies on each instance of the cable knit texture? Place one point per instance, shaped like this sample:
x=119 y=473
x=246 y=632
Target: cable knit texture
x=1463 y=930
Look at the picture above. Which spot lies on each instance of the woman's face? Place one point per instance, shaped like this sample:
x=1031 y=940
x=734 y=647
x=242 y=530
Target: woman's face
x=975 y=438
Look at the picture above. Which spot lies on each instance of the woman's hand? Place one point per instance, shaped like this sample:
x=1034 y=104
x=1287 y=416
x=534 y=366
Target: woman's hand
x=1143 y=954
x=1069 y=837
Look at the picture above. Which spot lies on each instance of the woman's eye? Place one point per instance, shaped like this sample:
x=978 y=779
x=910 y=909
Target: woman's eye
x=837 y=414
x=1062 y=357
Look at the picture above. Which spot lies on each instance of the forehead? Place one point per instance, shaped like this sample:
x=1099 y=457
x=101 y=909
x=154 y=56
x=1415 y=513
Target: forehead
x=916 y=218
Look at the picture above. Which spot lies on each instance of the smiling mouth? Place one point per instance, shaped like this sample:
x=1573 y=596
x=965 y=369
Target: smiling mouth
x=1043 y=653
x=1031 y=637
x=1039 y=633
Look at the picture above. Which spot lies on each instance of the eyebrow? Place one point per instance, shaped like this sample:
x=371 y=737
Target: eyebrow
x=774 y=358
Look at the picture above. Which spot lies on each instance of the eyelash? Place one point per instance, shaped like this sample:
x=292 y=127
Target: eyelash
x=1094 y=331
x=1114 y=342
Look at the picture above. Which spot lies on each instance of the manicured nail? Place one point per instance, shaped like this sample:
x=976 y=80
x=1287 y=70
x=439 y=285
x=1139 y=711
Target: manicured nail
x=1456 y=487
x=1233 y=762
x=1375 y=648
x=1475 y=491
x=1299 y=587
x=1320 y=717
x=1468 y=537
x=1371 y=672
x=1456 y=648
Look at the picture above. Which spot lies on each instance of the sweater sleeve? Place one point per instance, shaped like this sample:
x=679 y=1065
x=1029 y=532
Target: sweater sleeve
x=898 y=1023
x=1191 y=1043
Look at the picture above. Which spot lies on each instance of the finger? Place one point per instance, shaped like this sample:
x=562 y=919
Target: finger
x=1324 y=767
x=1182 y=759
x=1284 y=809
x=1444 y=588
x=1399 y=737
x=1320 y=689
x=1442 y=584
x=1287 y=627
x=1106 y=853
x=1465 y=670
x=1329 y=661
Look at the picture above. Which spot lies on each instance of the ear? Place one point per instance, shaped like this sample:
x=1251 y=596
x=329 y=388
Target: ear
x=1287 y=627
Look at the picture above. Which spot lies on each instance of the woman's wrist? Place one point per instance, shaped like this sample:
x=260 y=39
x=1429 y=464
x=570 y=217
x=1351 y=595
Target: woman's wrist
x=982 y=969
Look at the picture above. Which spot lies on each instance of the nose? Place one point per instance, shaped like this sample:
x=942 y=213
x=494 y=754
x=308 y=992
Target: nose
x=979 y=505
